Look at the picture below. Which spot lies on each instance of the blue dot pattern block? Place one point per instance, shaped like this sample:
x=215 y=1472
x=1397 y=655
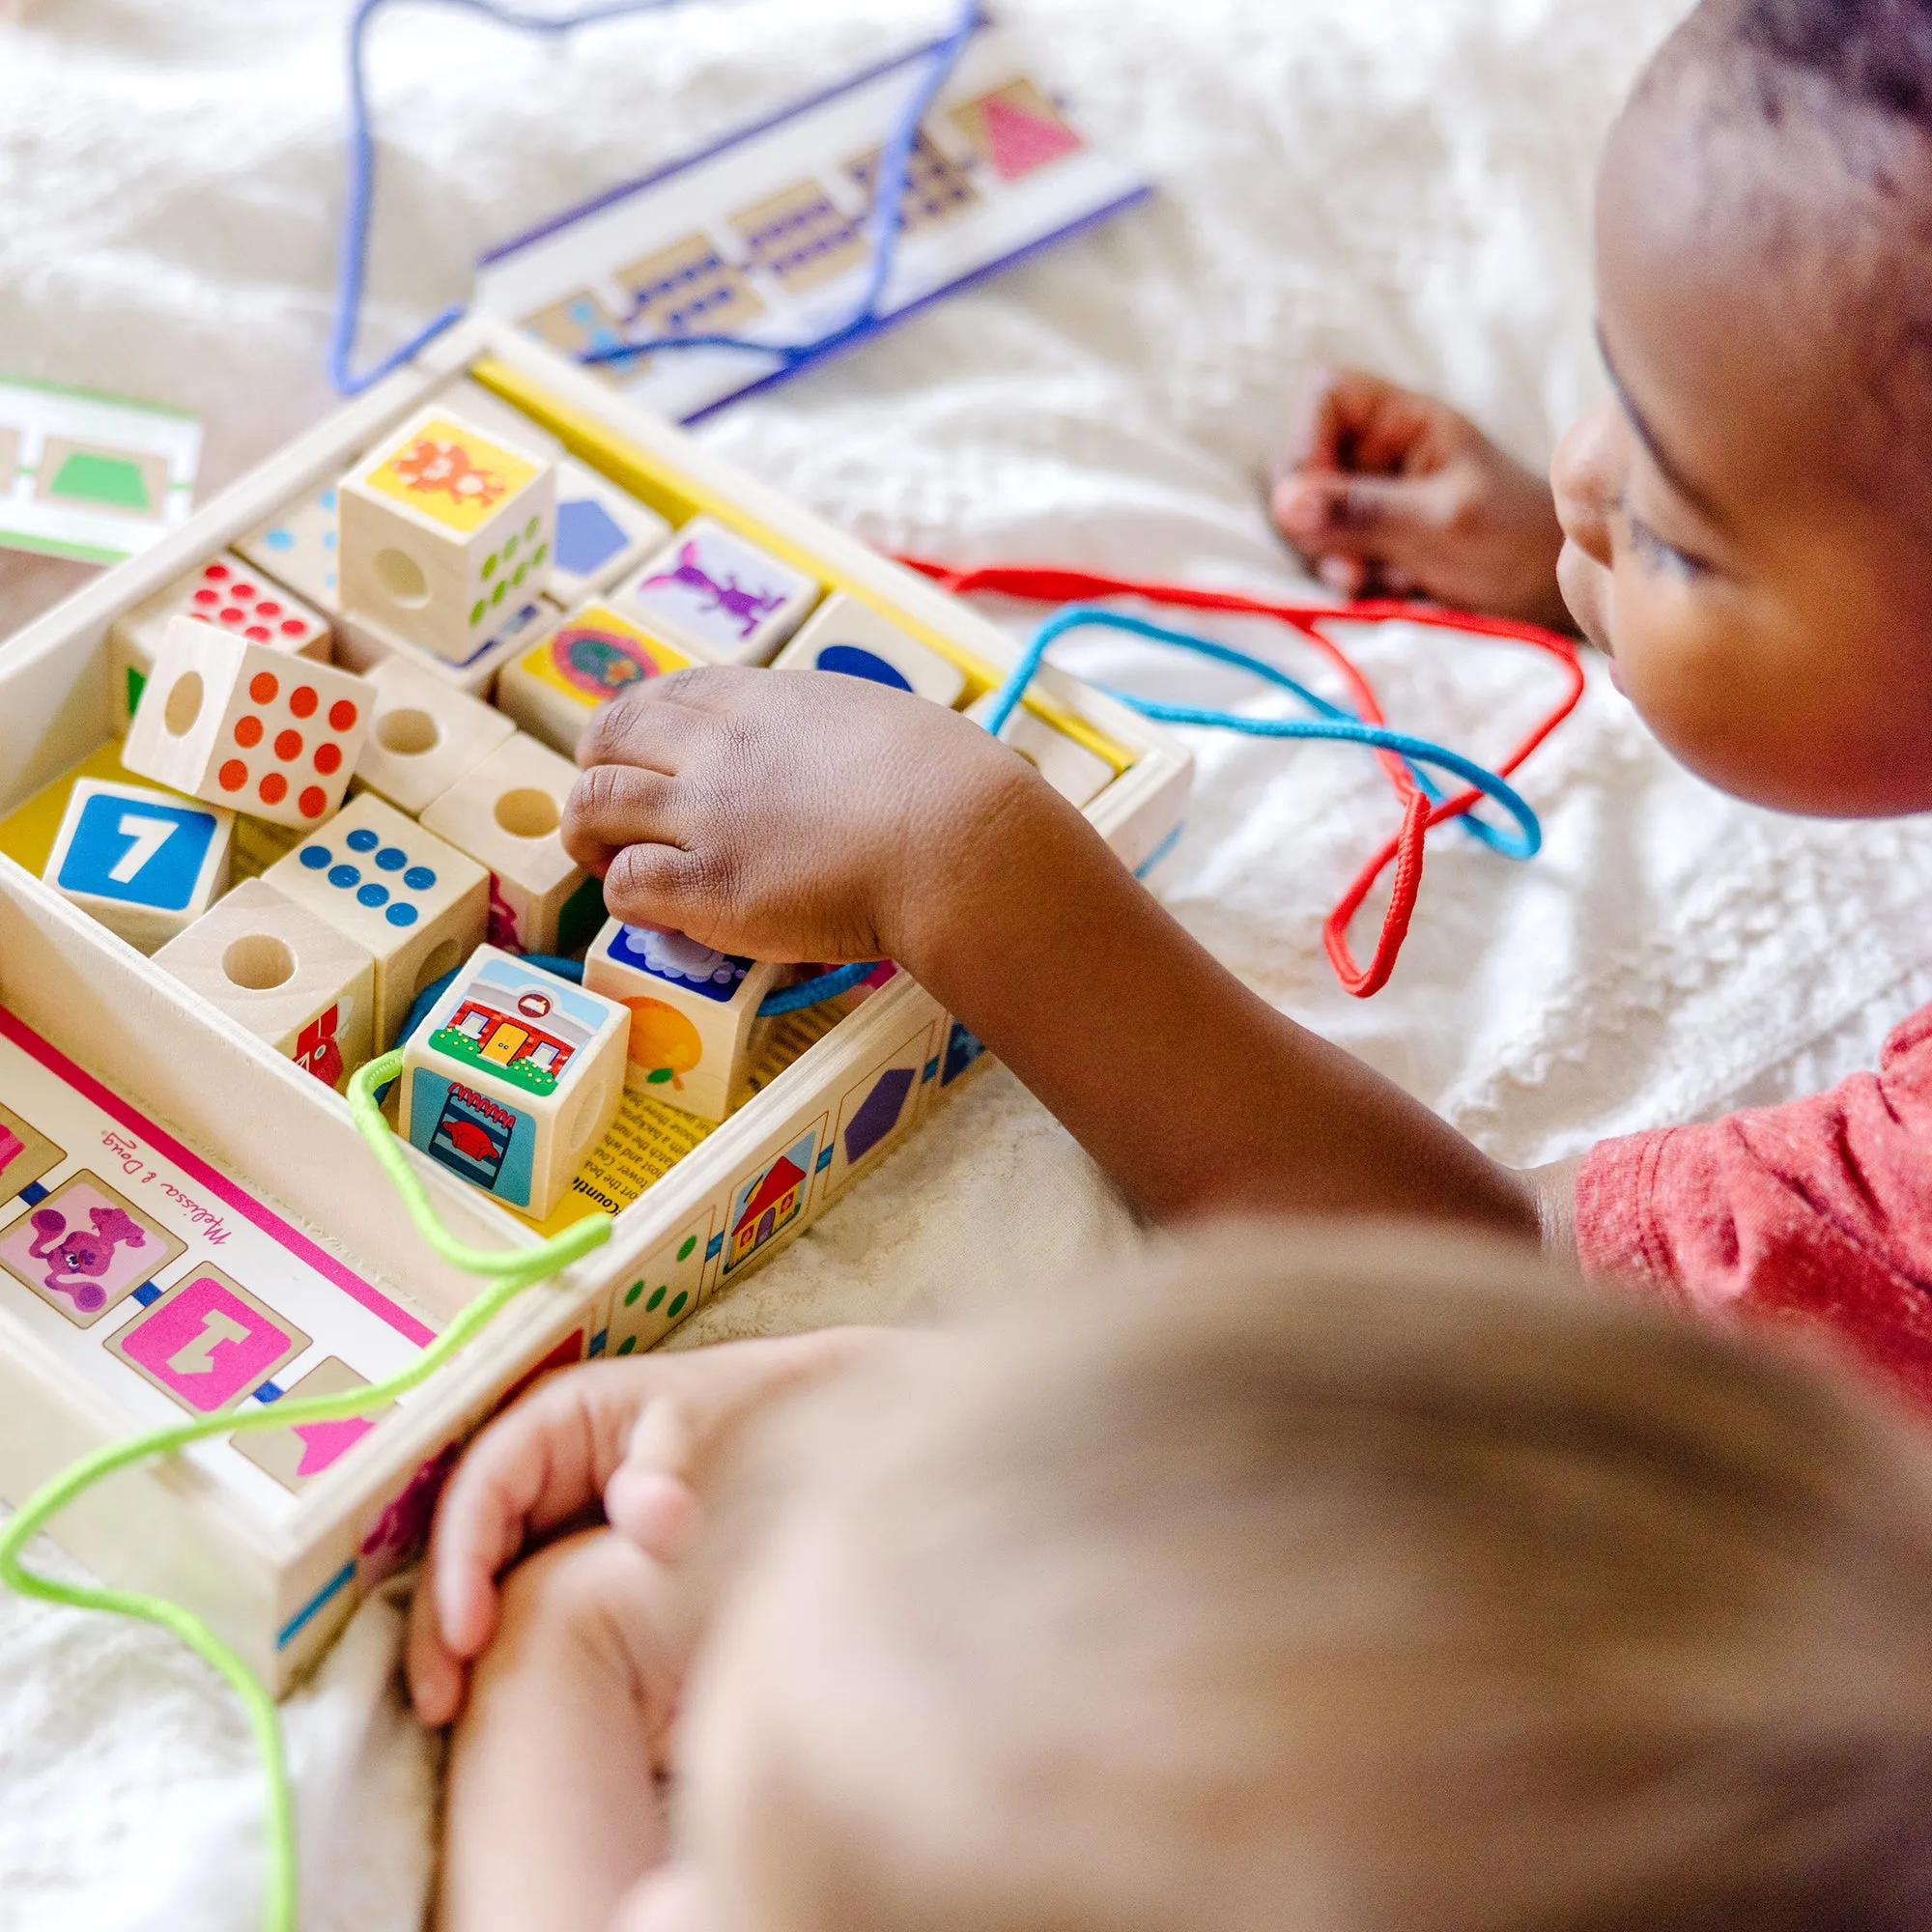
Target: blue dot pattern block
x=390 y=859
x=587 y=536
x=850 y=661
x=157 y=850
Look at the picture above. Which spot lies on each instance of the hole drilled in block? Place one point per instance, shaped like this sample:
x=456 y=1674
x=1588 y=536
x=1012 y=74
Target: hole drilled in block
x=184 y=705
x=444 y=958
x=402 y=579
x=407 y=732
x=259 y=962
x=527 y=813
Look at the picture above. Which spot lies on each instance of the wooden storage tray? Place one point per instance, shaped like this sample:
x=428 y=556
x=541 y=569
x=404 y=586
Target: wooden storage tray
x=163 y=1087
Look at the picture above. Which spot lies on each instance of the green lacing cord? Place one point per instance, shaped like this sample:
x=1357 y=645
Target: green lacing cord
x=515 y=1270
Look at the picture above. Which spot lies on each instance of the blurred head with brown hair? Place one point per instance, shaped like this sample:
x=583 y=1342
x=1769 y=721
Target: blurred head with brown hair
x=1320 y=1581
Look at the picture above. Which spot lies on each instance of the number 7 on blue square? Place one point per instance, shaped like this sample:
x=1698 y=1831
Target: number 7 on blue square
x=145 y=863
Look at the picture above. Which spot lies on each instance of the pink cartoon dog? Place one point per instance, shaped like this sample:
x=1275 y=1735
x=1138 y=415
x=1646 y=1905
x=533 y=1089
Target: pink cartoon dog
x=73 y=1254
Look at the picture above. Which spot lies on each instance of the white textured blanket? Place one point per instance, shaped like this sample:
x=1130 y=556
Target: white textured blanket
x=1402 y=182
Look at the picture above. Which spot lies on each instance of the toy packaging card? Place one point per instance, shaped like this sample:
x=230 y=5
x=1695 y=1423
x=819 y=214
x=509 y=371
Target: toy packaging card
x=170 y=1287
x=90 y=476
x=762 y=236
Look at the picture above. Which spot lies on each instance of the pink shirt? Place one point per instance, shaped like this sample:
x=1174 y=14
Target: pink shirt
x=1820 y=1210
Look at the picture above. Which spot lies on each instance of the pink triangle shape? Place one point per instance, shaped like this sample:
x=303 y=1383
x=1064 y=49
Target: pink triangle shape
x=1020 y=142
x=324 y=1442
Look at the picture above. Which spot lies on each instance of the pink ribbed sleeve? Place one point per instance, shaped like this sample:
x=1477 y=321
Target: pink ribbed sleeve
x=1819 y=1210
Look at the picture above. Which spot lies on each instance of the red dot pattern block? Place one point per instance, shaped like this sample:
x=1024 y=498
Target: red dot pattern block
x=276 y=736
x=233 y=601
x=324 y=754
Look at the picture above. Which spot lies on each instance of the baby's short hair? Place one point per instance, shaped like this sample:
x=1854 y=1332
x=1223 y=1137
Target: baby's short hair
x=1875 y=53
x=1334 y=1579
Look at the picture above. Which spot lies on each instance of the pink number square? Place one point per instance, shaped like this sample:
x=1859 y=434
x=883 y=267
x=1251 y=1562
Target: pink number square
x=208 y=1342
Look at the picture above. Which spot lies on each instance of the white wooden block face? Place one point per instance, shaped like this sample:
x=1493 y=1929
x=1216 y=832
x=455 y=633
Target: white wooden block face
x=601 y=533
x=361 y=645
x=146 y=863
x=691 y=1015
x=417 y=905
x=423 y=737
x=232 y=595
x=514 y=1079
x=852 y=638
x=299 y=546
x=1075 y=773
x=667 y=1286
x=239 y=725
x=505 y=816
x=445 y=533
x=596 y=654
x=712 y=593
x=292 y=979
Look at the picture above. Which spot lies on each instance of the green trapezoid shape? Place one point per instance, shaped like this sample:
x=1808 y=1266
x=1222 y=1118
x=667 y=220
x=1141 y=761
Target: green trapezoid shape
x=108 y=480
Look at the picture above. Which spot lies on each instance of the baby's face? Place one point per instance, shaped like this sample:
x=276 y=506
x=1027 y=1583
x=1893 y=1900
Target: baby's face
x=1733 y=542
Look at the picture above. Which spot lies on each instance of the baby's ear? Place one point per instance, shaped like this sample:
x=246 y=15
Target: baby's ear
x=676 y=1898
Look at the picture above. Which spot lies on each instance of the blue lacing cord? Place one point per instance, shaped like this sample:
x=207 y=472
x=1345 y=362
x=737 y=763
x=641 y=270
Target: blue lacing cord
x=883 y=224
x=815 y=992
x=1332 y=722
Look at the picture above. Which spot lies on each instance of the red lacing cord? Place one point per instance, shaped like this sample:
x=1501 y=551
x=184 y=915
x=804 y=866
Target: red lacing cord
x=1051 y=583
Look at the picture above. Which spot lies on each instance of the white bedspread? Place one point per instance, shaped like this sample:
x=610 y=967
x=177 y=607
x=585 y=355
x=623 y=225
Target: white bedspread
x=1400 y=182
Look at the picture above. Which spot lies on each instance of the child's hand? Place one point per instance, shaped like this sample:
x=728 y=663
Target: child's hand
x=1385 y=492
x=790 y=816
x=635 y=1436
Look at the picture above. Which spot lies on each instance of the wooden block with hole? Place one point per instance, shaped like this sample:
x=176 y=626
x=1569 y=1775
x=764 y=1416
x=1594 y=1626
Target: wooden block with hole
x=1078 y=774
x=146 y=863
x=416 y=904
x=505 y=816
x=291 y=978
x=446 y=532
x=694 y=1012
x=596 y=654
x=240 y=724
x=851 y=637
x=513 y=1079
x=423 y=737
x=226 y=592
